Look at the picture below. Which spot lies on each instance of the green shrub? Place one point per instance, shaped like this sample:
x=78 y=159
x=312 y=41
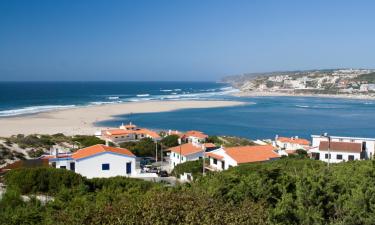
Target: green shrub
x=87 y=140
x=193 y=167
x=42 y=180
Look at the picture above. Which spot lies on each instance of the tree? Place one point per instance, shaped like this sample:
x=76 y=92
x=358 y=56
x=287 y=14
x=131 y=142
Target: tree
x=145 y=147
x=170 y=141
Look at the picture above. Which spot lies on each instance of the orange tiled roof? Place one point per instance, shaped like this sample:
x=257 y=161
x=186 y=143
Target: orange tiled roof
x=186 y=149
x=96 y=149
x=246 y=154
x=341 y=146
x=209 y=145
x=213 y=155
x=196 y=133
x=300 y=141
x=114 y=132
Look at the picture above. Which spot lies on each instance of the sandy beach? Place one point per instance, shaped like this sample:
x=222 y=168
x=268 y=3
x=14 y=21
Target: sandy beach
x=81 y=120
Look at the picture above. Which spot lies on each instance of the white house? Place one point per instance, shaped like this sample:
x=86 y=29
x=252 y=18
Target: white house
x=224 y=158
x=186 y=152
x=292 y=143
x=338 y=151
x=195 y=136
x=342 y=148
x=129 y=132
x=98 y=161
x=289 y=145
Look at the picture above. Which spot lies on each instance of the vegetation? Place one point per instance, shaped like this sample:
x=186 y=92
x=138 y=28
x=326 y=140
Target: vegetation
x=37 y=145
x=87 y=140
x=6 y=153
x=170 y=141
x=369 y=77
x=142 y=148
x=229 y=141
x=193 y=167
x=285 y=191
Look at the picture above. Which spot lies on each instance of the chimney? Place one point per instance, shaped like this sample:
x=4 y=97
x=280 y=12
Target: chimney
x=106 y=142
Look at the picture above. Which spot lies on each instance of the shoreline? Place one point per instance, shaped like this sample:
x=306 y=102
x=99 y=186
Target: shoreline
x=81 y=120
x=280 y=94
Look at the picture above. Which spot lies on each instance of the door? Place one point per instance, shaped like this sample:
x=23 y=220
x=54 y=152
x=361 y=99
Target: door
x=128 y=168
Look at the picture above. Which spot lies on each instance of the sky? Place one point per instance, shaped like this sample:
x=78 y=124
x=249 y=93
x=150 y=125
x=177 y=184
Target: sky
x=194 y=40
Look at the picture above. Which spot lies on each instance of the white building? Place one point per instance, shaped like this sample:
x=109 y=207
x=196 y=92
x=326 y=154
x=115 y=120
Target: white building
x=342 y=148
x=129 y=132
x=224 y=158
x=291 y=145
x=194 y=136
x=186 y=152
x=98 y=161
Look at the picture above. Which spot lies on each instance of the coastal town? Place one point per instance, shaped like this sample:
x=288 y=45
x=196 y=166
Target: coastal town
x=111 y=159
x=359 y=83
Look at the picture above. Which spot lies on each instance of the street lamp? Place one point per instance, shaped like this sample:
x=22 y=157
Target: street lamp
x=325 y=135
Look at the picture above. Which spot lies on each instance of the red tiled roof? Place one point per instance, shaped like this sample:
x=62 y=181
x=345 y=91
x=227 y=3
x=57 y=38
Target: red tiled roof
x=96 y=149
x=213 y=155
x=300 y=141
x=341 y=146
x=246 y=154
x=186 y=149
x=195 y=133
x=209 y=145
x=114 y=132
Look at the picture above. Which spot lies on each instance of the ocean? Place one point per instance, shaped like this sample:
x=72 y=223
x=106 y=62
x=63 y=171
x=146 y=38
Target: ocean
x=261 y=117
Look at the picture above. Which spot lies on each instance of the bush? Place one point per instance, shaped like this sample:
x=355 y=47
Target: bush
x=193 y=167
x=170 y=141
x=42 y=180
x=142 y=148
x=87 y=140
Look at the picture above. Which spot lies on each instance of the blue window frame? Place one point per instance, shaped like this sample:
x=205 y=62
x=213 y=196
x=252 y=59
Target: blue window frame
x=128 y=168
x=105 y=166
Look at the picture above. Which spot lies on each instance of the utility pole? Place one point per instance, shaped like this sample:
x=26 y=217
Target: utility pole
x=156 y=150
x=329 y=147
x=179 y=143
x=204 y=160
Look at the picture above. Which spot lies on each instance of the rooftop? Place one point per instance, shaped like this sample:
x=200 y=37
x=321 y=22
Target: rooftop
x=186 y=149
x=246 y=154
x=341 y=146
x=96 y=149
x=294 y=140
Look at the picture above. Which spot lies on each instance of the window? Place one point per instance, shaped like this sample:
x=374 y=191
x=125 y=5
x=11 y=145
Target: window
x=72 y=166
x=338 y=156
x=351 y=157
x=105 y=166
x=223 y=165
x=326 y=155
x=215 y=161
x=128 y=168
x=351 y=140
x=62 y=167
x=54 y=164
x=364 y=146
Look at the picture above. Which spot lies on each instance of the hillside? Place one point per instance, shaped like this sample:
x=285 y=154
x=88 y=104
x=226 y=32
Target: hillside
x=331 y=81
x=286 y=191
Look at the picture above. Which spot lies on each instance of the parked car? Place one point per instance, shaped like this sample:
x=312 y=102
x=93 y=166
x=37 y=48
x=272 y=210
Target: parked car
x=163 y=173
x=146 y=161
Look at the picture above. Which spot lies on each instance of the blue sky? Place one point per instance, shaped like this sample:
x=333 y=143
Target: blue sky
x=180 y=40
